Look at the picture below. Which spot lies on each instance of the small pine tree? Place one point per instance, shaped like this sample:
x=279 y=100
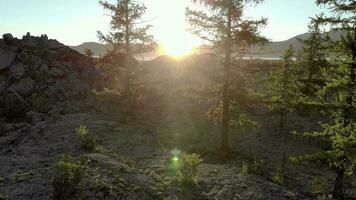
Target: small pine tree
x=222 y=23
x=313 y=59
x=88 y=52
x=128 y=35
x=281 y=96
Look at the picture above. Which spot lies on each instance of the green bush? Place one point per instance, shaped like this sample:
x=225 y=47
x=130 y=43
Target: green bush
x=22 y=176
x=2 y=197
x=278 y=177
x=70 y=175
x=188 y=171
x=39 y=103
x=244 y=167
x=258 y=167
x=318 y=187
x=87 y=140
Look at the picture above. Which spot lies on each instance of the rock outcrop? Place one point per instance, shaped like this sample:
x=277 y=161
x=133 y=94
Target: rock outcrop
x=37 y=74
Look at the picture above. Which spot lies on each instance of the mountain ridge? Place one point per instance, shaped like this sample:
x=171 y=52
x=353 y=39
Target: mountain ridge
x=271 y=50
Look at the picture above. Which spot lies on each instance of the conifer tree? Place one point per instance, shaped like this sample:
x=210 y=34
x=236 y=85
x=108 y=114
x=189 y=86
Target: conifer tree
x=88 y=52
x=128 y=35
x=337 y=96
x=222 y=23
x=280 y=94
x=312 y=60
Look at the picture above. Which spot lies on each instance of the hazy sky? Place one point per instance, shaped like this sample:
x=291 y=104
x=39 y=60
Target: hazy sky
x=76 y=21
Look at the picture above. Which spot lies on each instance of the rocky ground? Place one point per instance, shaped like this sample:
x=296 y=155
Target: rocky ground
x=45 y=94
x=133 y=154
x=39 y=75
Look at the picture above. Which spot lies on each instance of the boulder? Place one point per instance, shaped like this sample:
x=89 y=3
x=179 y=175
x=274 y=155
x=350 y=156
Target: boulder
x=24 y=87
x=34 y=117
x=38 y=73
x=6 y=59
x=12 y=105
x=17 y=71
x=8 y=38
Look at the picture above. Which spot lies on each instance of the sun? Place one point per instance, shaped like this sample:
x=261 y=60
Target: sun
x=176 y=49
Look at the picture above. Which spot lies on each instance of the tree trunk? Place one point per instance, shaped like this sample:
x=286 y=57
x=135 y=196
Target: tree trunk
x=339 y=182
x=339 y=185
x=128 y=58
x=225 y=93
x=283 y=119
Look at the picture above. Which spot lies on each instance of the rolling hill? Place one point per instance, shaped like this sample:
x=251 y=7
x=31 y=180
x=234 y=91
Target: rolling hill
x=272 y=50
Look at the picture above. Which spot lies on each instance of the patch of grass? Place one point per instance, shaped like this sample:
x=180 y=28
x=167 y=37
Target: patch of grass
x=87 y=140
x=21 y=176
x=120 y=182
x=318 y=187
x=40 y=103
x=188 y=171
x=2 y=197
x=244 y=167
x=278 y=177
x=70 y=174
x=257 y=167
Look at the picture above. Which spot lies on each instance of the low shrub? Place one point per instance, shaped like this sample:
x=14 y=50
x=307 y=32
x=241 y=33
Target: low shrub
x=70 y=175
x=2 y=197
x=39 y=103
x=257 y=167
x=244 y=167
x=188 y=171
x=278 y=177
x=87 y=140
x=318 y=187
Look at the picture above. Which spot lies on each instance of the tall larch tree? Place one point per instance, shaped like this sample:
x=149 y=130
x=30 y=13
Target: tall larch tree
x=129 y=33
x=222 y=23
x=337 y=96
x=313 y=59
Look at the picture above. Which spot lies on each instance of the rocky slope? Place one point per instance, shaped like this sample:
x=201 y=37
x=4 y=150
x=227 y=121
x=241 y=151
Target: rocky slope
x=37 y=74
x=45 y=87
x=126 y=164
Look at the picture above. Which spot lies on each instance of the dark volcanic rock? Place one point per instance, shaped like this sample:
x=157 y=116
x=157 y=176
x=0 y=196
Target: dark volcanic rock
x=37 y=72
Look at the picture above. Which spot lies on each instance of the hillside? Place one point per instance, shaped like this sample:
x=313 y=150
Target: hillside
x=48 y=90
x=97 y=48
x=272 y=50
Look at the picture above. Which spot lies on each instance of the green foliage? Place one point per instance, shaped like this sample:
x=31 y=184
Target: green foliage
x=39 y=103
x=280 y=92
x=244 y=167
x=21 y=176
x=318 y=187
x=120 y=182
x=126 y=24
x=87 y=140
x=70 y=174
x=109 y=99
x=88 y=52
x=3 y=197
x=257 y=167
x=278 y=177
x=336 y=97
x=240 y=119
x=231 y=33
x=188 y=171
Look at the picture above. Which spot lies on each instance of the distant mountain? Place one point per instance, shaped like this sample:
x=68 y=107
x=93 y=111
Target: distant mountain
x=97 y=48
x=272 y=50
x=276 y=49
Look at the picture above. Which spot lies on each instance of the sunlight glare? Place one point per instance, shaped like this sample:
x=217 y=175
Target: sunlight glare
x=176 y=49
